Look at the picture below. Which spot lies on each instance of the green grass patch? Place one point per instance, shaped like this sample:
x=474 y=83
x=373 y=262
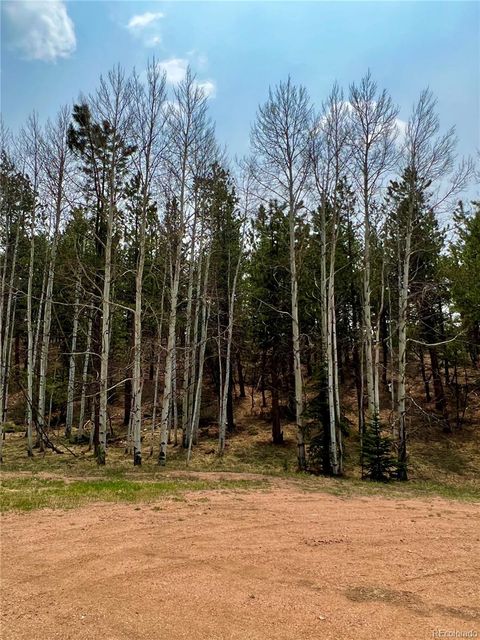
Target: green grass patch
x=28 y=493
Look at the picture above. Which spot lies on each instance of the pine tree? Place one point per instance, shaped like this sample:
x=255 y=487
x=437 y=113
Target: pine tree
x=378 y=461
x=268 y=288
x=463 y=273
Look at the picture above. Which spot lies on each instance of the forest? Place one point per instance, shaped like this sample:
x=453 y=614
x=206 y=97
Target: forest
x=153 y=286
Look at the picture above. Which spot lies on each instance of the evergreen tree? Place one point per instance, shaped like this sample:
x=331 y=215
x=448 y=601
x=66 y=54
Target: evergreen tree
x=269 y=290
x=378 y=461
x=464 y=274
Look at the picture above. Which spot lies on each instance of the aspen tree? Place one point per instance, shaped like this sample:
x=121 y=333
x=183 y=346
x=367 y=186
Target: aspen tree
x=31 y=141
x=86 y=360
x=72 y=359
x=148 y=117
x=373 y=131
x=428 y=161
x=280 y=141
x=188 y=131
x=56 y=159
x=329 y=158
x=100 y=137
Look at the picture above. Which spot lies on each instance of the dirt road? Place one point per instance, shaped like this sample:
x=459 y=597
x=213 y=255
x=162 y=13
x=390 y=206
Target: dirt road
x=282 y=564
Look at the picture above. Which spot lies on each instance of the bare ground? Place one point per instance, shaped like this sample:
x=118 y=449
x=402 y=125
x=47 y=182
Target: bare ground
x=280 y=564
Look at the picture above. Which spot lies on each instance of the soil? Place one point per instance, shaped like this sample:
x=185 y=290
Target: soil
x=259 y=565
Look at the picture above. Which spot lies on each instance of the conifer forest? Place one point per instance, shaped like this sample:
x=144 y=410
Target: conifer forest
x=331 y=275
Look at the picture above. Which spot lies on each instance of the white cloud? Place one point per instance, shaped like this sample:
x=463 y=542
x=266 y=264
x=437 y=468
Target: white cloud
x=153 y=41
x=145 y=27
x=208 y=87
x=175 y=69
x=42 y=29
x=139 y=22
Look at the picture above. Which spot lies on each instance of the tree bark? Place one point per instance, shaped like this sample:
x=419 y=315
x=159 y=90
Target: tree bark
x=72 y=363
x=86 y=360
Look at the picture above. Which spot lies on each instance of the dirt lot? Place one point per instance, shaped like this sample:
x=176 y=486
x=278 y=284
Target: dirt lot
x=282 y=564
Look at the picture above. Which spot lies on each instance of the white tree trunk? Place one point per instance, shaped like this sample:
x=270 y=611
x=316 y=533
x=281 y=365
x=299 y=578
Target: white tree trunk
x=193 y=359
x=47 y=321
x=378 y=376
x=105 y=341
x=402 y=342
x=367 y=315
x=157 y=366
x=337 y=391
x=297 y=366
x=7 y=324
x=38 y=322
x=201 y=360
x=56 y=159
x=332 y=364
x=9 y=339
x=323 y=282
x=30 y=338
x=137 y=361
x=186 y=418
x=167 y=391
x=222 y=427
x=72 y=363
x=88 y=345
x=174 y=411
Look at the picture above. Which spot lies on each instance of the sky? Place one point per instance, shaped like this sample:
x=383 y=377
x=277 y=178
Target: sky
x=52 y=50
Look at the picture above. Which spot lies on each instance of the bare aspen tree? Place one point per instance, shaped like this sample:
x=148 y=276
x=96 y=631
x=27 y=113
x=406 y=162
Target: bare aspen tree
x=56 y=165
x=373 y=132
x=169 y=357
x=428 y=161
x=38 y=320
x=30 y=142
x=112 y=104
x=190 y=379
x=205 y=314
x=202 y=158
x=329 y=157
x=9 y=257
x=189 y=357
x=376 y=343
x=188 y=130
x=224 y=383
x=7 y=328
x=280 y=141
x=174 y=405
x=158 y=360
x=86 y=359
x=5 y=227
x=7 y=370
x=196 y=357
x=72 y=359
x=149 y=118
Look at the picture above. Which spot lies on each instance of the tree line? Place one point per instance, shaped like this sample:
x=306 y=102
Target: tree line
x=316 y=268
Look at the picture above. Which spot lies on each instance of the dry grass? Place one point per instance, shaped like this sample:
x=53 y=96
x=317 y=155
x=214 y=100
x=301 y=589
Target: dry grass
x=446 y=467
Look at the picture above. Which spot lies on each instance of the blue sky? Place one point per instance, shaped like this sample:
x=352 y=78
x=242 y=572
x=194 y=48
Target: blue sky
x=52 y=50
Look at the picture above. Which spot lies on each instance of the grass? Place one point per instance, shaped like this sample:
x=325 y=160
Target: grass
x=447 y=468
x=349 y=487
x=28 y=493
